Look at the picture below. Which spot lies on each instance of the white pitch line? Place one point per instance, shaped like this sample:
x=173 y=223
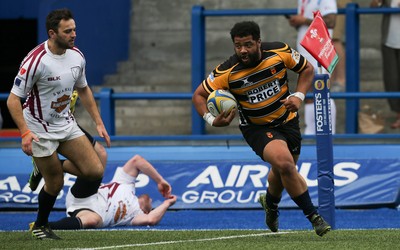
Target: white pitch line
x=180 y=241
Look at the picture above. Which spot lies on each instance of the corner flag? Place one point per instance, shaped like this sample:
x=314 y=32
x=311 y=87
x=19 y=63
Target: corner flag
x=318 y=43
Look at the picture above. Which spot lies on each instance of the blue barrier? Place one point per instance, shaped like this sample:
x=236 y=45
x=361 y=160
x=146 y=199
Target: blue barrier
x=211 y=177
x=107 y=100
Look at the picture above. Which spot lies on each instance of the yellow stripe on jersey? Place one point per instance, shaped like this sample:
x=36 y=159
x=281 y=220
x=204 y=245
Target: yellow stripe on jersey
x=274 y=117
x=259 y=89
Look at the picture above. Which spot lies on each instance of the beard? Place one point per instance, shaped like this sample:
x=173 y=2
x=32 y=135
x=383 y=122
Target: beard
x=249 y=60
x=62 y=44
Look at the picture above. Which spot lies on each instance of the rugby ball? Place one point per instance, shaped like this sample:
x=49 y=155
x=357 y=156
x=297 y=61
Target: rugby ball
x=221 y=100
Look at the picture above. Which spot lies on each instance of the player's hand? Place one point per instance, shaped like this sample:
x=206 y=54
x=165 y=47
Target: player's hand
x=292 y=103
x=26 y=143
x=375 y=3
x=164 y=188
x=296 y=21
x=171 y=200
x=223 y=119
x=104 y=134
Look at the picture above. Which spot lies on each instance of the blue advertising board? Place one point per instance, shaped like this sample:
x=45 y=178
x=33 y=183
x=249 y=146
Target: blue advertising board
x=222 y=177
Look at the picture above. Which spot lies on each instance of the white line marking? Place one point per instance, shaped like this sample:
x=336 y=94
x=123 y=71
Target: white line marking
x=180 y=241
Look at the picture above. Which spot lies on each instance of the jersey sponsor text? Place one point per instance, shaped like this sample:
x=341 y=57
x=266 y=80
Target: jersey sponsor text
x=264 y=92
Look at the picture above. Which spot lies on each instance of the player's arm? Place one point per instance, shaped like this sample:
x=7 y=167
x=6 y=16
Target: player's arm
x=15 y=109
x=304 y=83
x=330 y=20
x=375 y=3
x=305 y=78
x=138 y=164
x=199 y=100
x=299 y=20
x=155 y=215
x=87 y=99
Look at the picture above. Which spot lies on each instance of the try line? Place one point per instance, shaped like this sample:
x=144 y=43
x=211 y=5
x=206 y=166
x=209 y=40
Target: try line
x=179 y=241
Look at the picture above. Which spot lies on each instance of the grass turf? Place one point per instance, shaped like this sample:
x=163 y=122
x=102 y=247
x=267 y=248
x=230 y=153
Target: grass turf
x=206 y=239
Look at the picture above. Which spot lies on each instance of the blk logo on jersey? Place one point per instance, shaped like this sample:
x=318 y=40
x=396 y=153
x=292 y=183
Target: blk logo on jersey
x=61 y=103
x=54 y=78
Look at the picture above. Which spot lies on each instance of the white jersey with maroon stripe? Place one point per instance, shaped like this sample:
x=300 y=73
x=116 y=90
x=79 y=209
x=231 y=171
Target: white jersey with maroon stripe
x=47 y=80
x=115 y=202
x=122 y=205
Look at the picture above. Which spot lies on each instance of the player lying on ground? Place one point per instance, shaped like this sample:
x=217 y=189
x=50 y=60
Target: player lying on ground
x=115 y=203
x=85 y=218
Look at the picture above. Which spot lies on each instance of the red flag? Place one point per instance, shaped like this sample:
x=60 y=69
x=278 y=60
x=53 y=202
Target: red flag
x=318 y=43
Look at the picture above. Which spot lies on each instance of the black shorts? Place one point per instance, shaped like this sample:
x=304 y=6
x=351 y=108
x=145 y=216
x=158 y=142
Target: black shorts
x=259 y=136
x=91 y=139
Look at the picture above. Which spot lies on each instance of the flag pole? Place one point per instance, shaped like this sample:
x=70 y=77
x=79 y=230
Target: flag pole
x=319 y=68
x=318 y=43
x=324 y=141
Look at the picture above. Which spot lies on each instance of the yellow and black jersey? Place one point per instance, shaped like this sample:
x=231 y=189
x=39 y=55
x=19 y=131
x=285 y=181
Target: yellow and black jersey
x=259 y=88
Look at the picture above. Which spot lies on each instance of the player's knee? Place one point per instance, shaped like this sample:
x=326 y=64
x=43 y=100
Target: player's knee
x=98 y=173
x=94 y=173
x=54 y=186
x=103 y=157
x=101 y=153
x=91 y=222
x=286 y=167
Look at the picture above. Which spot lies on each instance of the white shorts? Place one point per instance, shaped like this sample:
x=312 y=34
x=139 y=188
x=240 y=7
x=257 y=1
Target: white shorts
x=46 y=147
x=95 y=203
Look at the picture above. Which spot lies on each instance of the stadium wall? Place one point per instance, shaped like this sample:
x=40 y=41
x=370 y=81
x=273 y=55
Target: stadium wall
x=103 y=37
x=220 y=177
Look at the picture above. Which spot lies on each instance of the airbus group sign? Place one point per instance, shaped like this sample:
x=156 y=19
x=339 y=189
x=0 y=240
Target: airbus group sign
x=242 y=184
x=230 y=183
x=225 y=184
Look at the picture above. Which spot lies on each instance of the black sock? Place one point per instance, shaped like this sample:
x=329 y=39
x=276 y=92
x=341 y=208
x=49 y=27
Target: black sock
x=272 y=201
x=46 y=204
x=67 y=223
x=305 y=203
x=84 y=188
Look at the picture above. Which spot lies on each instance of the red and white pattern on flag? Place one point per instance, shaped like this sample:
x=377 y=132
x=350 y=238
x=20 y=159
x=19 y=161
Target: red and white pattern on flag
x=318 y=43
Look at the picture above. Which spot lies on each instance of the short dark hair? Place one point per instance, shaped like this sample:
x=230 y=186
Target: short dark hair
x=54 y=17
x=246 y=28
